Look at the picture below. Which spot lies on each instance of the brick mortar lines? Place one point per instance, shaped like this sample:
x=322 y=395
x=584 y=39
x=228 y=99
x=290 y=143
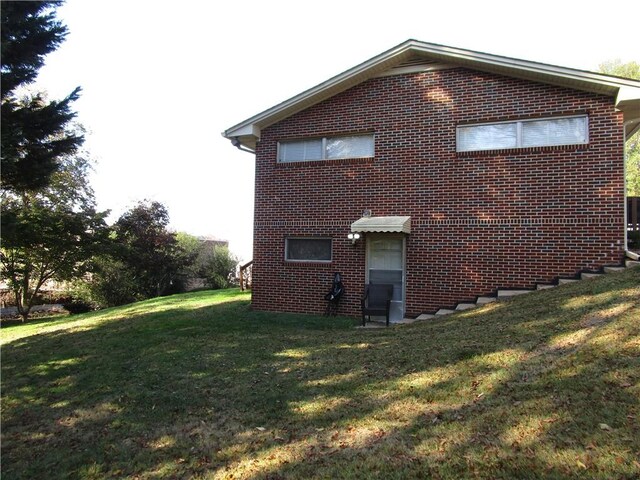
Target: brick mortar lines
x=454 y=221
x=560 y=209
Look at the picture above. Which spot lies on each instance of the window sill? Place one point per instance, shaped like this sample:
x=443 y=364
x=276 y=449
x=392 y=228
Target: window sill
x=524 y=150
x=324 y=163
x=307 y=263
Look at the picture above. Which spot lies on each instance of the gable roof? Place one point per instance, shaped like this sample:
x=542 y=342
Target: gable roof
x=414 y=55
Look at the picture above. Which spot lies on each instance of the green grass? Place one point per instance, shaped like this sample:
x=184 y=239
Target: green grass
x=199 y=386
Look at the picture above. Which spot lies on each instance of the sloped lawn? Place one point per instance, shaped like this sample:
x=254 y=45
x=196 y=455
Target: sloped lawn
x=199 y=386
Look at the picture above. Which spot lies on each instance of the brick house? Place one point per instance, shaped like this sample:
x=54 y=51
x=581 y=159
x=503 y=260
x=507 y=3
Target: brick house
x=447 y=172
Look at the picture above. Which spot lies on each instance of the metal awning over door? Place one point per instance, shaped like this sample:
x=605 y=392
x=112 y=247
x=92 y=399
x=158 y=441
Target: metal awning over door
x=393 y=224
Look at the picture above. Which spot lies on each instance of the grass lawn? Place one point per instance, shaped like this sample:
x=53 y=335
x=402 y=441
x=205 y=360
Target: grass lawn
x=546 y=385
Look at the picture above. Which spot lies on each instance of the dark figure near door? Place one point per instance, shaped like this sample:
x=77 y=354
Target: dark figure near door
x=334 y=295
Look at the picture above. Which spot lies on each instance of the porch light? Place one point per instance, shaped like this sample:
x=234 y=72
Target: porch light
x=353 y=237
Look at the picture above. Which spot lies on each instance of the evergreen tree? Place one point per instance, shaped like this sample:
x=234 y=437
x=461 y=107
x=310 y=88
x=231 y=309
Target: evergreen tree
x=36 y=132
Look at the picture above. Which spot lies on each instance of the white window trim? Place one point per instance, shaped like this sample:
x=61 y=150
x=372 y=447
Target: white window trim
x=324 y=147
x=519 y=124
x=286 y=249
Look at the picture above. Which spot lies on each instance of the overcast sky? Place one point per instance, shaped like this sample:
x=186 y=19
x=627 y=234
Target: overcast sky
x=162 y=79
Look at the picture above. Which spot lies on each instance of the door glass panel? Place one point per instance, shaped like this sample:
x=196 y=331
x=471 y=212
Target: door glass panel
x=394 y=277
x=386 y=254
x=386 y=265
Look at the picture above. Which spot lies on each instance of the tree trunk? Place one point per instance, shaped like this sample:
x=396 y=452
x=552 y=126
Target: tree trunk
x=23 y=300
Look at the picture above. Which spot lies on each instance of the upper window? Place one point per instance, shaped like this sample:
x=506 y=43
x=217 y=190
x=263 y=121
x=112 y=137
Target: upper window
x=311 y=249
x=523 y=133
x=328 y=148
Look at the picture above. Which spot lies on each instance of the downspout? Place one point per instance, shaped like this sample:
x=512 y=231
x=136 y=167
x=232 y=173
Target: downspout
x=627 y=252
x=624 y=173
x=236 y=143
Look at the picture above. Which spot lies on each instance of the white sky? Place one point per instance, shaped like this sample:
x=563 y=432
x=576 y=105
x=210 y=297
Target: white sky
x=162 y=79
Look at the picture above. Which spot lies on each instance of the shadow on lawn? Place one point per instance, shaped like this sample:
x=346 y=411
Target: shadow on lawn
x=218 y=390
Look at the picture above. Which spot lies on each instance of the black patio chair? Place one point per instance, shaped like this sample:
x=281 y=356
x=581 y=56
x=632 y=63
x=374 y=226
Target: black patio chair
x=376 y=301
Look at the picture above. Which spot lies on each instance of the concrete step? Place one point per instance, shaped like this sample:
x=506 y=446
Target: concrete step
x=613 y=269
x=466 y=306
x=585 y=276
x=511 y=293
x=405 y=321
x=506 y=293
x=483 y=300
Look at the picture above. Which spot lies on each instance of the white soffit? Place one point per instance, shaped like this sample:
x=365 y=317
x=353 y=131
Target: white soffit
x=414 y=55
x=382 y=225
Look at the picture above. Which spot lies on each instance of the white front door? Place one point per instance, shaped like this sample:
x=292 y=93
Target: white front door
x=385 y=264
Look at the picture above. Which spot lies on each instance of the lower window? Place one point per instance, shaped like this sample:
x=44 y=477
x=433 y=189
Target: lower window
x=308 y=249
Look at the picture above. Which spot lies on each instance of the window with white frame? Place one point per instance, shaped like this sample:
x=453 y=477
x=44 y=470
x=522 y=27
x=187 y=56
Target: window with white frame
x=573 y=130
x=327 y=148
x=307 y=249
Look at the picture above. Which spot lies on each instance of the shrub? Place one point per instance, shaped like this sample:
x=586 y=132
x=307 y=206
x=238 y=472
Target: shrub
x=76 y=307
x=109 y=285
x=218 y=267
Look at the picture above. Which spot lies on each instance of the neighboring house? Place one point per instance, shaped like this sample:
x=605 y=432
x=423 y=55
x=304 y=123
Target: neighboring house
x=214 y=242
x=461 y=172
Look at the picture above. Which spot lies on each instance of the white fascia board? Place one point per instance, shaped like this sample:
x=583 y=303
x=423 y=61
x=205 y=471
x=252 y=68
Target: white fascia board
x=324 y=90
x=246 y=136
x=628 y=102
x=243 y=130
x=562 y=76
x=628 y=94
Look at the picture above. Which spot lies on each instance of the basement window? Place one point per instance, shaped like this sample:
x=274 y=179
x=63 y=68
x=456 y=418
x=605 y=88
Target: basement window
x=327 y=148
x=545 y=132
x=310 y=249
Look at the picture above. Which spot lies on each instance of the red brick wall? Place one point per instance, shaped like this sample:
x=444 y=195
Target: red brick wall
x=479 y=220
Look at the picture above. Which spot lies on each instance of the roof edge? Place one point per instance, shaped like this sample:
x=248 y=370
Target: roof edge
x=247 y=132
x=365 y=66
